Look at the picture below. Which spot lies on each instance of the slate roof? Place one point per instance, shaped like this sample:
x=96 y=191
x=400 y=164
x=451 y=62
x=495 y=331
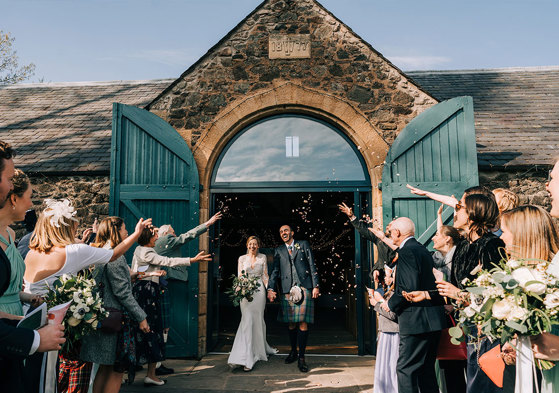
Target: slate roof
x=516 y=111
x=64 y=128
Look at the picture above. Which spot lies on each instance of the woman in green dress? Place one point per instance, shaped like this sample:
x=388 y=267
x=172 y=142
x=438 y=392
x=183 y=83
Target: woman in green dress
x=18 y=202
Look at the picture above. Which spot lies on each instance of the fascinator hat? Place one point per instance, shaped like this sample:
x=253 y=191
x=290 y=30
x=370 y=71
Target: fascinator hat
x=61 y=212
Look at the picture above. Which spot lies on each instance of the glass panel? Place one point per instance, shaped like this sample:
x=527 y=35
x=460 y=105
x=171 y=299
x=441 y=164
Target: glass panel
x=289 y=149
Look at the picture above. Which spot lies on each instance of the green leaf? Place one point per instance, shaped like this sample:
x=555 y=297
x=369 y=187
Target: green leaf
x=455 y=332
x=516 y=326
x=498 y=277
x=476 y=290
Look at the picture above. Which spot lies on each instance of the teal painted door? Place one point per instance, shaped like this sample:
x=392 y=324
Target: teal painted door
x=153 y=174
x=435 y=152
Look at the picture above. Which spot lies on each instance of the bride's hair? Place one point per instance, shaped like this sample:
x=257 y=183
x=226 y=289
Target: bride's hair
x=254 y=238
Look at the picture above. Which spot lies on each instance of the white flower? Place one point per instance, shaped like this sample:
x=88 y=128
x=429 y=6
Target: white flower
x=494 y=292
x=524 y=275
x=77 y=296
x=513 y=264
x=552 y=300
x=518 y=313
x=73 y=321
x=484 y=280
x=57 y=210
x=501 y=309
x=469 y=311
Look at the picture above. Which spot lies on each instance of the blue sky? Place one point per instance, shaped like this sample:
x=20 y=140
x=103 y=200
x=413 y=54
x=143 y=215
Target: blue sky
x=96 y=40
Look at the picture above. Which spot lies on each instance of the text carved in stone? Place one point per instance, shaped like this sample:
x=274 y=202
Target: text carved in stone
x=296 y=46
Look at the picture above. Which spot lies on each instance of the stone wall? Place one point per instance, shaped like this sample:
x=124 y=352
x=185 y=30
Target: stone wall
x=341 y=65
x=89 y=194
x=528 y=184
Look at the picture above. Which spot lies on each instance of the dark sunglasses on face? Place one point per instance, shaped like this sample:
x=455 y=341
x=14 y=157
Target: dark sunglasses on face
x=458 y=206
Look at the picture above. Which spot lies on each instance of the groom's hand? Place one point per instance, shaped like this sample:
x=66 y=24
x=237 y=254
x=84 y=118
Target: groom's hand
x=271 y=295
x=315 y=293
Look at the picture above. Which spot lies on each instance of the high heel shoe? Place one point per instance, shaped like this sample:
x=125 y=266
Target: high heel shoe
x=247 y=369
x=150 y=382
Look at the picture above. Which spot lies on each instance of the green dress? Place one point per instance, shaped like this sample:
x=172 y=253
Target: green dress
x=10 y=302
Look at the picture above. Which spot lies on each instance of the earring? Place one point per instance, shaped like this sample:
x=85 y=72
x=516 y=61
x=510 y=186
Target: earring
x=13 y=207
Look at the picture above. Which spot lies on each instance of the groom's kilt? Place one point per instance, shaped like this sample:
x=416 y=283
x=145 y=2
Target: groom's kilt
x=304 y=312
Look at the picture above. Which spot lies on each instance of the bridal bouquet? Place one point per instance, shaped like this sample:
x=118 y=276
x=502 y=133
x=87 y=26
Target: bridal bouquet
x=515 y=298
x=86 y=308
x=243 y=287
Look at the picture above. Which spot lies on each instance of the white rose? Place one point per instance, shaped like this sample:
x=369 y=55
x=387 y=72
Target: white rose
x=518 y=313
x=552 y=300
x=501 y=309
x=524 y=275
x=73 y=321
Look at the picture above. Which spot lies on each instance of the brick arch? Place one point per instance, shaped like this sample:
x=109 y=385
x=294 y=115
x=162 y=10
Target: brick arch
x=290 y=98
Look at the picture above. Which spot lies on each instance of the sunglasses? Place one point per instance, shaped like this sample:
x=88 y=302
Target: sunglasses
x=458 y=206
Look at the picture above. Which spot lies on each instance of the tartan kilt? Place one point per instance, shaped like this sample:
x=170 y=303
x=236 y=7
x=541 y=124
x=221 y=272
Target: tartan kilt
x=73 y=375
x=304 y=312
x=165 y=307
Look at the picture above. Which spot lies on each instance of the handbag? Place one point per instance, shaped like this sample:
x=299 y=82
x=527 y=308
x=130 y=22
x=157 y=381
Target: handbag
x=112 y=323
x=493 y=365
x=447 y=350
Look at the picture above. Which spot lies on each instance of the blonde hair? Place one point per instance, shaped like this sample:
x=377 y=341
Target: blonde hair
x=46 y=235
x=109 y=231
x=534 y=233
x=506 y=199
x=254 y=238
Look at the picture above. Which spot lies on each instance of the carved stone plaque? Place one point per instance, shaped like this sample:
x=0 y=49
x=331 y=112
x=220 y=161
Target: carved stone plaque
x=294 y=46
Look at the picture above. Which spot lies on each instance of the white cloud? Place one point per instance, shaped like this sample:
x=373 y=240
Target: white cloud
x=419 y=62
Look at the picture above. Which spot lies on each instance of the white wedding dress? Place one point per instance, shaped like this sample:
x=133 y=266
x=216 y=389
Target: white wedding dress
x=250 y=343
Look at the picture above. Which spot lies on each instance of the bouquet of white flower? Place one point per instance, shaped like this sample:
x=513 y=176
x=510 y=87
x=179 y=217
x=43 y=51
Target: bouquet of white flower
x=85 y=310
x=514 y=299
x=243 y=287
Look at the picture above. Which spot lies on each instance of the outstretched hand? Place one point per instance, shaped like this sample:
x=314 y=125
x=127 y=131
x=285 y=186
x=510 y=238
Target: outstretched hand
x=201 y=257
x=142 y=224
x=416 y=191
x=345 y=209
x=214 y=219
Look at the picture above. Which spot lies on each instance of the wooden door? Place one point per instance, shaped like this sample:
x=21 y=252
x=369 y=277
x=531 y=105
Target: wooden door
x=153 y=174
x=435 y=152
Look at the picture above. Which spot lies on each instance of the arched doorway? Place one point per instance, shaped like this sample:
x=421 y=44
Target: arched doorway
x=293 y=169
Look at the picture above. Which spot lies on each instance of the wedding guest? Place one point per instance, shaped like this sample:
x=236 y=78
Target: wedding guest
x=150 y=346
x=29 y=221
x=250 y=343
x=445 y=243
x=420 y=325
x=478 y=216
x=388 y=341
x=506 y=199
x=116 y=288
x=386 y=254
x=296 y=272
x=17 y=203
x=169 y=244
x=54 y=253
x=18 y=343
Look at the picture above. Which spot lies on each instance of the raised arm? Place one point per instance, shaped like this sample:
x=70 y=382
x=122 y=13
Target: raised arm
x=445 y=199
x=440 y=217
x=130 y=240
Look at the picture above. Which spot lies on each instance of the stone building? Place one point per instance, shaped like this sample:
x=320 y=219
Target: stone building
x=289 y=71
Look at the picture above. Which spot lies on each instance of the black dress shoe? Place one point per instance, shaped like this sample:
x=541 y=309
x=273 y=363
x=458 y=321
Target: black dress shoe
x=302 y=365
x=162 y=370
x=291 y=357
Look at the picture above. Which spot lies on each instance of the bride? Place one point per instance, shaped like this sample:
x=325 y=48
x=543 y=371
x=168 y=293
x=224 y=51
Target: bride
x=250 y=343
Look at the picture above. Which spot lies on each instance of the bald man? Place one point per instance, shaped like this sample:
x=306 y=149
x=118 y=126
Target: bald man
x=420 y=323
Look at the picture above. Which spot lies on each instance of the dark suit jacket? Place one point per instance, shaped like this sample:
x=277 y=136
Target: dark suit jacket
x=304 y=265
x=385 y=254
x=15 y=343
x=414 y=272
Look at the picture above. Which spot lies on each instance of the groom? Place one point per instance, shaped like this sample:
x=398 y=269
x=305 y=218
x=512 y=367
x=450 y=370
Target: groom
x=294 y=265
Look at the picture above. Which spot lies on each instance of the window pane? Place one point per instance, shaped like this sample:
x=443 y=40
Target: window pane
x=289 y=149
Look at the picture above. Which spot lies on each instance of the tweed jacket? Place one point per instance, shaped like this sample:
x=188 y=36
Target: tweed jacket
x=303 y=261
x=170 y=246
